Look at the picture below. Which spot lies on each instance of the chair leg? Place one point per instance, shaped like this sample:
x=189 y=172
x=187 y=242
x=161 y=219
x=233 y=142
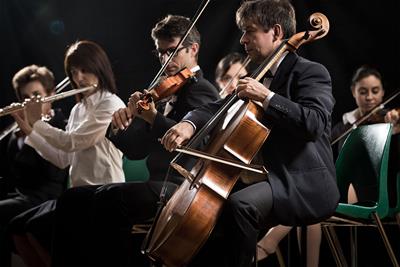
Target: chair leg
x=385 y=239
x=353 y=246
x=279 y=255
x=334 y=246
x=397 y=216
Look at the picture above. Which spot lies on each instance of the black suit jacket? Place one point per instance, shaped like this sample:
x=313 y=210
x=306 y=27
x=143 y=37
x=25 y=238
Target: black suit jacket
x=140 y=140
x=297 y=152
x=27 y=171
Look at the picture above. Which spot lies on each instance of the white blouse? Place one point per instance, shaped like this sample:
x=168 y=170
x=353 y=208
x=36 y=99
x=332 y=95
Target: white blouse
x=92 y=158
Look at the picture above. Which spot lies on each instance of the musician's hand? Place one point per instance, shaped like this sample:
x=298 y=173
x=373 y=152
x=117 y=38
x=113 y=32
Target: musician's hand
x=122 y=118
x=23 y=124
x=251 y=89
x=393 y=117
x=147 y=115
x=177 y=135
x=33 y=109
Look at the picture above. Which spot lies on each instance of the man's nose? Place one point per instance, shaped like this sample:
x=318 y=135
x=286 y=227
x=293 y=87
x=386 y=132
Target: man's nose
x=243 y=39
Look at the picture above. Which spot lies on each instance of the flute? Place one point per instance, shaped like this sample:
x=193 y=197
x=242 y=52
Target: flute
x=14 y=107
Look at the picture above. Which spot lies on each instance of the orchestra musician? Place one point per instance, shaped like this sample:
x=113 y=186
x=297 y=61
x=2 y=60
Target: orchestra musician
x=228 y=72
x=368 y=92
x=33 y=180
x=301 y=187
x=92 y=159
x=116 y=207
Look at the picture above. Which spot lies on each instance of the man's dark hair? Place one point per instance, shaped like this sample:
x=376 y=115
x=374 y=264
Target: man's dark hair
x=33 y=73
x=267 y=13
x=173 y=26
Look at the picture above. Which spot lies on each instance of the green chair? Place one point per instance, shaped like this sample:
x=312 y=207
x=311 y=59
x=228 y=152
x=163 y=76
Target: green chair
x=135 y=170
x=362 y=161
x=394 y=180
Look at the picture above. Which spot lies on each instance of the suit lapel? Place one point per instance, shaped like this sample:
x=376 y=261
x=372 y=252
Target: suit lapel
x=284 y=69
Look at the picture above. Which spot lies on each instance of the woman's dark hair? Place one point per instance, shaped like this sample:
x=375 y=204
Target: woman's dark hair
x=362 y=72
x=93 y=59
x=33 y=73
x=226 y=62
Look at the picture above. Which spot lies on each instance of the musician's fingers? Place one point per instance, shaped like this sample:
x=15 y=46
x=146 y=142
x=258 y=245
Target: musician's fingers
x=116 y=120
x=168 y=139
x=17 y=117
x=165 y=139
x=135 y=97
x=132 y=110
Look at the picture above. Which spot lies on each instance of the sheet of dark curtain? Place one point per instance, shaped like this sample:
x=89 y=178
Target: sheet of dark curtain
x=39 y=32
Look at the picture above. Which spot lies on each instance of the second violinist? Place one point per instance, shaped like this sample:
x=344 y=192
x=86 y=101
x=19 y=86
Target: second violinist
x=368 y=92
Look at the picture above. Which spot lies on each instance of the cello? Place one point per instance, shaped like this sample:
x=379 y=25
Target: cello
x=186 y=221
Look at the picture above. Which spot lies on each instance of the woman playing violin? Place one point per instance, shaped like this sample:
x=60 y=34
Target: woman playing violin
x=368 y=92
x=301 y=187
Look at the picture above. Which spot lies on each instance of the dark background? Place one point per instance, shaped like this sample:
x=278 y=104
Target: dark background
x=38 y=32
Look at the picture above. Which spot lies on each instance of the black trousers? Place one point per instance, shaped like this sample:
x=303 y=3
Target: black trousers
x=246 y=215
x=9 y=208
x=93 y=223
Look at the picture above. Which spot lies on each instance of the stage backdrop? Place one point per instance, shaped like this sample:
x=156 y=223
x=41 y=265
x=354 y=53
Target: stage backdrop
x=38 y=32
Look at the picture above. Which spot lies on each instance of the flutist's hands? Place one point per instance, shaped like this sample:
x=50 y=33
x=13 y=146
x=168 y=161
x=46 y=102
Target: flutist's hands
x=22 y=122
x=33 y=109
x=177 y=135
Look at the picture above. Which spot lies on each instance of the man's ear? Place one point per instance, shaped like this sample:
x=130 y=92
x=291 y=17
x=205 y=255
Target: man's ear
x=278 y=32
x=194 y=48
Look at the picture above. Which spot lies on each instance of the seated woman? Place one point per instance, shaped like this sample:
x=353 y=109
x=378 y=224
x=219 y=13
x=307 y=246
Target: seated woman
x=368 y=92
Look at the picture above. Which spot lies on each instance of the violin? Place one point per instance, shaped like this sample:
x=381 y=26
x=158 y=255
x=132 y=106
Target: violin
x=375 y=115
x=165 y=88
x=379 y=117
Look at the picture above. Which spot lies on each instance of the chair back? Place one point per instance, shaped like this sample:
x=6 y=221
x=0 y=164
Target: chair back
x=363 y=162
x=135 y=170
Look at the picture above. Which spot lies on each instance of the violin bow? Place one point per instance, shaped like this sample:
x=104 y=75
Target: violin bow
x=365 y=117
x=190 y=27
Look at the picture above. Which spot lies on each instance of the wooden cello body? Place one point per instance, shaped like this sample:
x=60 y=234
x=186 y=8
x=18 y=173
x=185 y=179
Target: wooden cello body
x=190 y=215
x=188 y=218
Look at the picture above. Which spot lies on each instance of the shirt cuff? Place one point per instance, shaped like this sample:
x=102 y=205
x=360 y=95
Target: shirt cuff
x=35 y=140
x=267 y=99
x=191 y=123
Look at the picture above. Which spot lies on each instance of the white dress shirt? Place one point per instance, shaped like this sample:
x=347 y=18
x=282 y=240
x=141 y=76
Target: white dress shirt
x=92 y=158
x=267 y=81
